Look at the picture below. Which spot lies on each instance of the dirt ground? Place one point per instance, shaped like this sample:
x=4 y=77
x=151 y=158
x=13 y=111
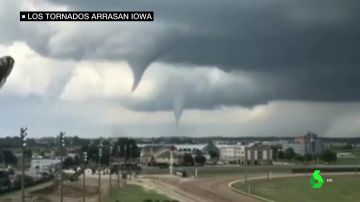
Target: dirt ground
x=213 y=189
x=73 y=191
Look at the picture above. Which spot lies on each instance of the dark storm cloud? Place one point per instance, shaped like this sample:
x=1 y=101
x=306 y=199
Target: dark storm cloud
x=301 y=50
x=201 y=88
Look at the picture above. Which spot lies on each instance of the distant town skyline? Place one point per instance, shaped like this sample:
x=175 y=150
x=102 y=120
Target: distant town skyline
x=259 y=69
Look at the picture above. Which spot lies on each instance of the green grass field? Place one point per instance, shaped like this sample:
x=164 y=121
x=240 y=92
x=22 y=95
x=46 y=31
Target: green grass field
x=136 y=193
x=297 y=189
x=355 y=160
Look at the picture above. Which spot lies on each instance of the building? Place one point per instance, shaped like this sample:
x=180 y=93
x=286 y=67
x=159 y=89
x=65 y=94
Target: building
x=89 y=171
x=189 y=148
x=234 y=154
x=159 y=154
x=148 y=152
x=251 y=154
x=309 y=144
x=298 y=148
x=205 y=149
x=164 y=157
x=258 y=154
x=41 y=165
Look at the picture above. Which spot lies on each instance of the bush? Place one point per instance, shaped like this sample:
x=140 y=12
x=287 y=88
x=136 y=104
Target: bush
x=28 y=182
x=328 y=156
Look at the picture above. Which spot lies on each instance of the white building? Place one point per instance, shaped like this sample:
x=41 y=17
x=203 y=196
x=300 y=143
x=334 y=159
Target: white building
x=193 y=149
x=189 y=148
x=255 y=154
x=232 y=153
x=44 y=165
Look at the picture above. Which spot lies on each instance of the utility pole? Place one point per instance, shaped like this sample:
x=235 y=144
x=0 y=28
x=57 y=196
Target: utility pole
x=245 y=173
x=110 y=151
x=23 y=134
x=118 y=169
x=3 y=160
x=171 y=161
x=125 y=167
x=84 y=178
x=130 y=159
x=99 y=168
x=62 y=151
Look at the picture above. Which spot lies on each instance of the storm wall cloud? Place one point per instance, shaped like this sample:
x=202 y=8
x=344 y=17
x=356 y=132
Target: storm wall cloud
x=306 y=50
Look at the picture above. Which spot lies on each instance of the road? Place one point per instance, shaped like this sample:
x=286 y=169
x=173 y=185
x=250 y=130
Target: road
x=212 y=189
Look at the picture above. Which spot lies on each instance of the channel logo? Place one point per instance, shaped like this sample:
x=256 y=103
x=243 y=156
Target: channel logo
x=316 y=181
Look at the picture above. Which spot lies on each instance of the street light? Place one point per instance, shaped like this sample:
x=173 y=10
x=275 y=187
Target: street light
x=23 y=134
x=99 y=169
x=172 y=162
x=84 y=183
x=62 y=149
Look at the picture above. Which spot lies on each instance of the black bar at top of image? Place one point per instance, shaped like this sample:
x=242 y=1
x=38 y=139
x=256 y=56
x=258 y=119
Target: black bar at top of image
x=86 y=16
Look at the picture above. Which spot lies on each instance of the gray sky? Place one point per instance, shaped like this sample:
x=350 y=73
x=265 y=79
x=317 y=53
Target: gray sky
x=235 y=68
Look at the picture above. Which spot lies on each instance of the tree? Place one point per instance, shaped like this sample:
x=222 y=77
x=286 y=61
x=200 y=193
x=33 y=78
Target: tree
x=126 y=143
x=77 y=161
x=9 y=157
x=289 y=153
x=4 y=179
x=328 y=156
x=347 y=147
x=200 y=159
x=299 y=158
x=188 y=159
x=308 y=157
x=68 y=163
x=28 y=153
x=122 y=143
x=281 y=155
